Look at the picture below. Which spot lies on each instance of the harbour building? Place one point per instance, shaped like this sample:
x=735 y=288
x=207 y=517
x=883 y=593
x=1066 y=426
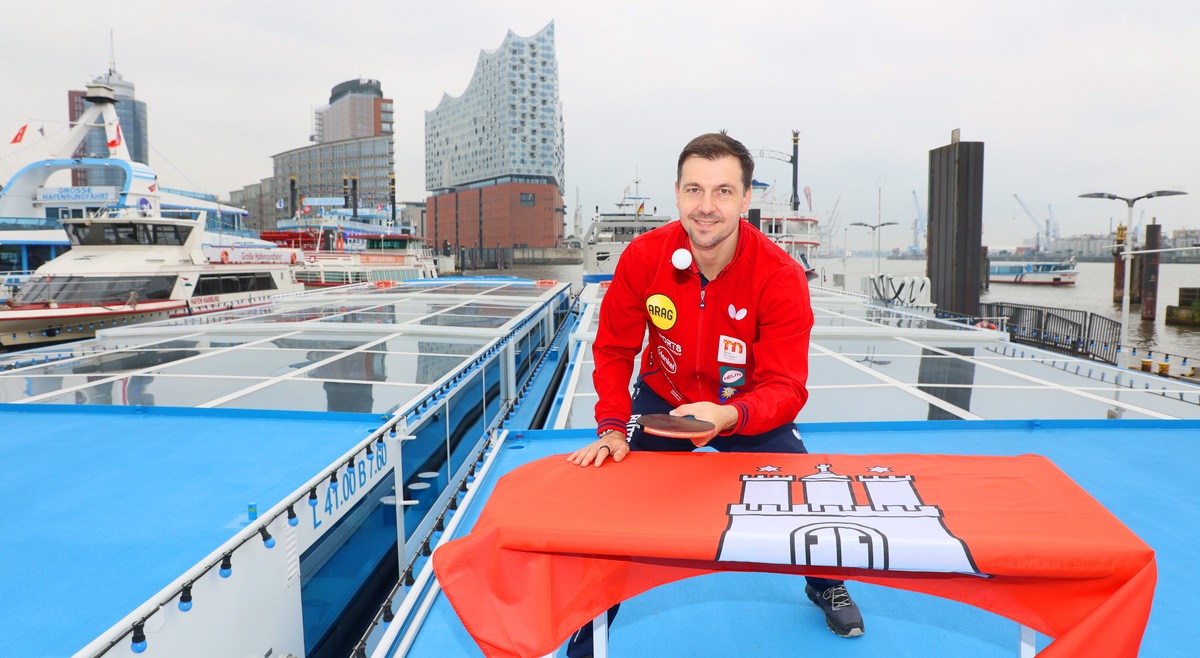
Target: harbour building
x=494 y=154
x=348 y=166
x=134 y=130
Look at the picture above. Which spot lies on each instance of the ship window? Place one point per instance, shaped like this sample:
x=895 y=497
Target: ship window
x=94 y=290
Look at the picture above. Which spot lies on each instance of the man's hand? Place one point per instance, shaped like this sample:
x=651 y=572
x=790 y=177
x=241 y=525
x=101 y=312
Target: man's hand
x=611 y=444
x=722 y=417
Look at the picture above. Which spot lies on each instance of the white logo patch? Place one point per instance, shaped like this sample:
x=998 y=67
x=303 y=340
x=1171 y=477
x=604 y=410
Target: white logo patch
x=736 y=313
x=665 y=358
x=731 y=350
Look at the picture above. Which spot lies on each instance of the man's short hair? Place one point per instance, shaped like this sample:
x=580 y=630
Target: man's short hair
x=711 y=146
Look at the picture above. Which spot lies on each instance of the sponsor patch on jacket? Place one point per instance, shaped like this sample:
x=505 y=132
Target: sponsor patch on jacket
x=731 y=350
x=732 y=377
x=661 y=310
x=727 y=392
x=665 y=358
x=675 y=348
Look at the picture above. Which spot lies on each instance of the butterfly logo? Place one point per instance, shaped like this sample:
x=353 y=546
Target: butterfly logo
x=736 y=313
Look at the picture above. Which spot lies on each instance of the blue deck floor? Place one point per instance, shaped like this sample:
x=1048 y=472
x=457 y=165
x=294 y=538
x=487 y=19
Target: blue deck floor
x=1140 y=470
x=98 y=519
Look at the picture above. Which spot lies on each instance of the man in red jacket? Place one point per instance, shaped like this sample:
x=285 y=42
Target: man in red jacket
x=728 y=317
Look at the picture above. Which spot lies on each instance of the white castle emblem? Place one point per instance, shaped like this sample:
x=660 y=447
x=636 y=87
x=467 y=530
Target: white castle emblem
x=896 y=531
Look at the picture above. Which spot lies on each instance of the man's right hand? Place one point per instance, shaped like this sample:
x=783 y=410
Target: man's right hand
x=610 y=444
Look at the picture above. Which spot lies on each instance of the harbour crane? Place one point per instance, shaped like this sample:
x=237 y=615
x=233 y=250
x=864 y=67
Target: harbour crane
x=1044 y=231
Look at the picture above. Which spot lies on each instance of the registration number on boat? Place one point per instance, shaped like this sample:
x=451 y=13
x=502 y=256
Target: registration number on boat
x=350 y=482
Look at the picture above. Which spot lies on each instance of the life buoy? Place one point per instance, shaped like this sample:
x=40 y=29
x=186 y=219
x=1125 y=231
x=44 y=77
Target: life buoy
x=225 y=256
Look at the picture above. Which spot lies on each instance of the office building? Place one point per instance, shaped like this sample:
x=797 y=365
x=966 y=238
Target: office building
x=352 y=156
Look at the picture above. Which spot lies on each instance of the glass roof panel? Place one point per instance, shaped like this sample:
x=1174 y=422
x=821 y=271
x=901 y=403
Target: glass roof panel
x=148 y=391
x=310 y=395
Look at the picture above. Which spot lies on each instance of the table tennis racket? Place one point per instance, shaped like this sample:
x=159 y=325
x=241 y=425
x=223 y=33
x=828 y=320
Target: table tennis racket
x=675 y=427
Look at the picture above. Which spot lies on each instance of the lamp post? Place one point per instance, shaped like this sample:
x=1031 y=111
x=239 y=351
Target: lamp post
x=875 y=236
x=1127 y=256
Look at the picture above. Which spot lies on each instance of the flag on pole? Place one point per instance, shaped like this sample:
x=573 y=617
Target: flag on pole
x=641 y=208
x=114 y=143
x=808 y=195
x=20 y=135
x=279 y=204
x=153 y=187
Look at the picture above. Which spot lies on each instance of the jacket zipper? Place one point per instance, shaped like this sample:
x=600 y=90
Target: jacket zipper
x=699 y=339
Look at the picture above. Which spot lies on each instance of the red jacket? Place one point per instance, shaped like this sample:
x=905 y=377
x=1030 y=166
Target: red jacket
x=742 y=340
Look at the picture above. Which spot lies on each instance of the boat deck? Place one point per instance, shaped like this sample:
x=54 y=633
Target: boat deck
x=879 y=375
x=1139 y=470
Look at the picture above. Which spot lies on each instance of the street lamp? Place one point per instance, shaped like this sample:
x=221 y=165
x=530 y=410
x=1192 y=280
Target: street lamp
x=1127 y=256
x=875 y=236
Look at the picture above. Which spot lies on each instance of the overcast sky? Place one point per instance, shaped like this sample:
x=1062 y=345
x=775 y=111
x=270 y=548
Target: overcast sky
x=1068 y=97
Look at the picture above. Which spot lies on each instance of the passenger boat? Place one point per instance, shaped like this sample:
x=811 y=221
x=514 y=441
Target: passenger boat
x=609 y=234
x=1035 y=274
x=323 y=447
x=134 y=265
x=32 y=206
x=796 y=232
x=253 y=481
x=606 y=238
x=336 y=257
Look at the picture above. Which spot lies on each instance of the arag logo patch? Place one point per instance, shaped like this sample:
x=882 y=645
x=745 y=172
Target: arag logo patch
x=661 y=310
x=732 y=377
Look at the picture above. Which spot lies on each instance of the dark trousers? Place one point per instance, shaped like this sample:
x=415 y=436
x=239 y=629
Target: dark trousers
x=785 y=438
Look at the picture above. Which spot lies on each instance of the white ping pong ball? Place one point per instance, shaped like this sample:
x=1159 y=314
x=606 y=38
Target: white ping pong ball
x=681 y=259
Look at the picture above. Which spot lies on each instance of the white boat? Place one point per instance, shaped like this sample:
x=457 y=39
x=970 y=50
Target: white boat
x=335 y=256
x=1035 y=274
x=794 y=231
x=135 y=265
x=35 y=200
x=610 y=233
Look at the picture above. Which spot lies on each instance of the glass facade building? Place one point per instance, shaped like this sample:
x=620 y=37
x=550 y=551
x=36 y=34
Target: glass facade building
x=494 y=155
x=508 y=122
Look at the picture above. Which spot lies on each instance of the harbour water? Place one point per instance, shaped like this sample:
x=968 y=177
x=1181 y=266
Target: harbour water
x=1092 y=292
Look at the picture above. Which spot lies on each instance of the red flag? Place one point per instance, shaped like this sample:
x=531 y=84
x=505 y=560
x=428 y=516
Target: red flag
x=153 y=186
x=20 y=135
x=1013 y=535
x=116 y=142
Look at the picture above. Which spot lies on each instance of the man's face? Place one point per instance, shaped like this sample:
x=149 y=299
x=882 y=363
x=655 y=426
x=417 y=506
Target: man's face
x=711 y=199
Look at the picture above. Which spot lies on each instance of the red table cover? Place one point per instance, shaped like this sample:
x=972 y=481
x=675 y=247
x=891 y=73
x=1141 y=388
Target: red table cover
x=556 y=544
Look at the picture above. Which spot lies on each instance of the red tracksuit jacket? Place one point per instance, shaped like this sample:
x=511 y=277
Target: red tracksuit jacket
x=741 y=340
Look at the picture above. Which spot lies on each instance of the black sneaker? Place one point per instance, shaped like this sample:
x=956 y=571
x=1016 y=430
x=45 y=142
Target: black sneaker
x=841 y=614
